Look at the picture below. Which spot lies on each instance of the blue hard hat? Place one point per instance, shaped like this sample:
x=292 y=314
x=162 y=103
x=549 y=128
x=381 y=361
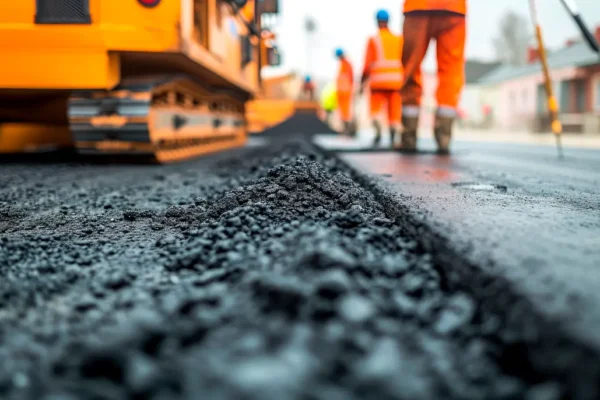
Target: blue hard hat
x=382 y=16
x=307 y=78
x=339 y=52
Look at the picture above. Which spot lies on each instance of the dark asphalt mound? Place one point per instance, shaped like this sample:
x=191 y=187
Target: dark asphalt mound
x=270 y=274
x=301 y=123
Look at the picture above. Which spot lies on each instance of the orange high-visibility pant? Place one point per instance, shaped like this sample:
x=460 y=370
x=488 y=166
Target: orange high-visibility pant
x=344 y=103
x=454 y=6
x=390 y=99
x=449 y=31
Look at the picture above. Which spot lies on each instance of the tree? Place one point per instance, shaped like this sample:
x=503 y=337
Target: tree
x=513 y=39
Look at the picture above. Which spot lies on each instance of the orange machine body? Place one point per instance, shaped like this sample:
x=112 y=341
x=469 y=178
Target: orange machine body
x=183 y=35
x=52 y=52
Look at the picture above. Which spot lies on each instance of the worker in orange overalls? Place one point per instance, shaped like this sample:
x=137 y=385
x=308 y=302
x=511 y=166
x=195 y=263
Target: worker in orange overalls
x=345 y=89
x=444 y=21
x=383 y=70
x=308 y=88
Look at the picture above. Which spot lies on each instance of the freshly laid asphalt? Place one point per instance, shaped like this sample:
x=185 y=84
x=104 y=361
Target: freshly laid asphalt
x=284 y=271
x=518 y=210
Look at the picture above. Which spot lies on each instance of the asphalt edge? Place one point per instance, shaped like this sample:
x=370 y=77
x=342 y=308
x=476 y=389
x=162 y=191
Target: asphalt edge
x=460 y=275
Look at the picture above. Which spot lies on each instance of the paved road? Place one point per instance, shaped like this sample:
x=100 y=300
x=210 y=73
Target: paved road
x=517 y=210
x=274 y=272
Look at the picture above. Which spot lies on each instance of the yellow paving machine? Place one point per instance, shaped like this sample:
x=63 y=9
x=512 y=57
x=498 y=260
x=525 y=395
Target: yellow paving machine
x=168 y=78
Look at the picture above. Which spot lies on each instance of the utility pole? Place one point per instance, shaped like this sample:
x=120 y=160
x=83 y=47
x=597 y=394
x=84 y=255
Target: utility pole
x=310 y=27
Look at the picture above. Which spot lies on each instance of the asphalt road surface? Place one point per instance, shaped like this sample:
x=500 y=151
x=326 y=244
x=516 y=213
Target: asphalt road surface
x=279 y=271
x=519 y=211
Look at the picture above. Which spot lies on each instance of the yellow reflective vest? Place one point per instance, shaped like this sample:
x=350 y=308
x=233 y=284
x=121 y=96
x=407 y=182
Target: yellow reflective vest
x=328 y=97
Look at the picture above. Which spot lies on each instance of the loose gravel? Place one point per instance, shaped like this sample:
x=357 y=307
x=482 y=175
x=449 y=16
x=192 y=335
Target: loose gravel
x=266 y=273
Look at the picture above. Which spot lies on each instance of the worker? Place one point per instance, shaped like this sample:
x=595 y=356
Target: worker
x=383 y=71
x=308 y=88
x=444 y=21
x=328 y=101
x=345 y=89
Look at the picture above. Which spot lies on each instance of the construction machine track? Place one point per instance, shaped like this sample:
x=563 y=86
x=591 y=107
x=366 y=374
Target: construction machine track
x=170 y=118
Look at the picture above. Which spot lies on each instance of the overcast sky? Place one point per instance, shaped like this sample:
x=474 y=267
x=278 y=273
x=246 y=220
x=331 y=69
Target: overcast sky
x=347 y=24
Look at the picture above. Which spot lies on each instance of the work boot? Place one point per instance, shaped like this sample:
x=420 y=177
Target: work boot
x=393 y=135
x=352 y=128
x=443 y=133
x=377 y=139
x=408 y=141
x=345 y=128
x=348 y=128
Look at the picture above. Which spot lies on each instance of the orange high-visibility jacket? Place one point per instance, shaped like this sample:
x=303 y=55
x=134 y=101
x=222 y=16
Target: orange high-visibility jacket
x=248 y=11
x=345 y=78
x=383 y=61
x=456 y=6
